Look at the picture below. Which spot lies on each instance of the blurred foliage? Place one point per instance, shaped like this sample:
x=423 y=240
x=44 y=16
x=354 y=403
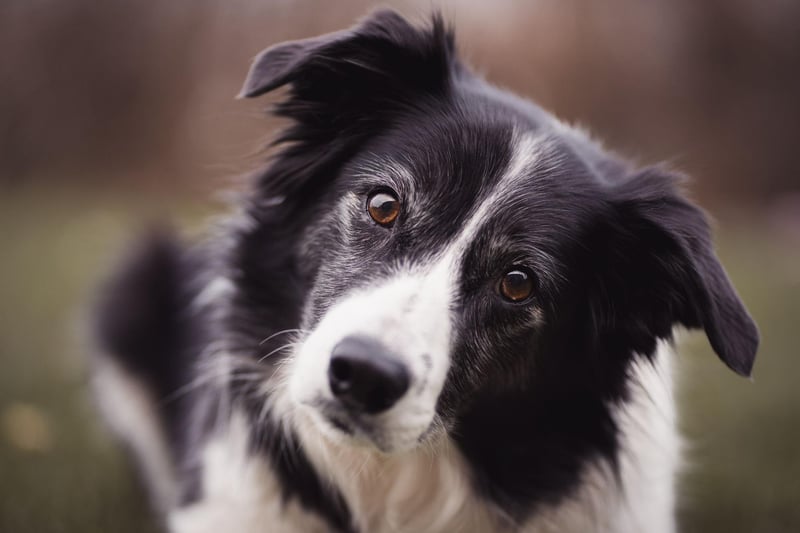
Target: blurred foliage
x=60 y=471
x=743 y=445
x=133 y=91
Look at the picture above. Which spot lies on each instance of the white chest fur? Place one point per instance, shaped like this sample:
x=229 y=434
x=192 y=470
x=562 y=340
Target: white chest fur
x=429 y=489
x=241 y=493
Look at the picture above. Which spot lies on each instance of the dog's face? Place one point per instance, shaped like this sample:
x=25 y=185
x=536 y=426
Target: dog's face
x=429 y=262
x=459 y=254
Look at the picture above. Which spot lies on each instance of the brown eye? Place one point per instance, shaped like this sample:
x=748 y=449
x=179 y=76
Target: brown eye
x=383 y=207
x=516 y=285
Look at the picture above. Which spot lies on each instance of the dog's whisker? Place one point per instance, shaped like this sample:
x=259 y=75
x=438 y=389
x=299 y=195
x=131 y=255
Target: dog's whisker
x=210 y=373
x=200 y=380
x=282 y=332
x=276 y=350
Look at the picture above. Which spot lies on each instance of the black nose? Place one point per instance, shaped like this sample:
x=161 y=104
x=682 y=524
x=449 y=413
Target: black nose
x=365 y=376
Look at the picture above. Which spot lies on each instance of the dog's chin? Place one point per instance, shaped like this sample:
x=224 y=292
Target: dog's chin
x=343 y=430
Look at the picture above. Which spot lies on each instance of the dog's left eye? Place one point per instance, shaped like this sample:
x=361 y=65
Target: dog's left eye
x=516 y=285
x=383 y=207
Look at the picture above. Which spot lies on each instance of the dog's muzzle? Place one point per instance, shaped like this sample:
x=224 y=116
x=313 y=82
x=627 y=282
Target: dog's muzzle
x=365 y=376
x=372 y=373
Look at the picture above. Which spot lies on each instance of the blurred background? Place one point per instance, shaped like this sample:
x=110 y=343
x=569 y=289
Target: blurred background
x=117 y=113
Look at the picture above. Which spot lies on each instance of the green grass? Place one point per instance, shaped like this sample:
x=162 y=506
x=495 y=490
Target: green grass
x=744 y=437
x=744 y=472
x=77 y=480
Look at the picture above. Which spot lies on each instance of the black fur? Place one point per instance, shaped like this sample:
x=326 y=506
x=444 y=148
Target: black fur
x=620 y=257
x=140 y=318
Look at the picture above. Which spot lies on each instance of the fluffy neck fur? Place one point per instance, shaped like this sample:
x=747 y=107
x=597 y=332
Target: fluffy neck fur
x=431 y=489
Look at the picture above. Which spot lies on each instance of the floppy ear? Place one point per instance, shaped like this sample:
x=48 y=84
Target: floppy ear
x=661 y=259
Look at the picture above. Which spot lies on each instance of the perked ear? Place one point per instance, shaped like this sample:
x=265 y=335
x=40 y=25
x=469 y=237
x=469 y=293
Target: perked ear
x=663 y=259
x=280 y=64
x=345 y=87
x=383 y=48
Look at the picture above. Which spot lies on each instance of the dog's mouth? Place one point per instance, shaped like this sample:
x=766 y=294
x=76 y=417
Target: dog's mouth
x=339 y=420
x=350 y=426
x=362 y=430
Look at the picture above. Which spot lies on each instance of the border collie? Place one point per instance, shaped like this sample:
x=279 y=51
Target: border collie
x=438 y=309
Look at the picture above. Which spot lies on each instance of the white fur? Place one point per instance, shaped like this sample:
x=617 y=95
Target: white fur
x=241 y=494
x=428 y=489
x=528 y=151
x=648 y=459
x=424 y=489
x=650 y=455
x=218 y=288
x=130 y=411
x=410 y=313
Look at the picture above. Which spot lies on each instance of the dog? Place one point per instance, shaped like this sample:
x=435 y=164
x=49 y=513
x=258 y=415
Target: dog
x=437 y=309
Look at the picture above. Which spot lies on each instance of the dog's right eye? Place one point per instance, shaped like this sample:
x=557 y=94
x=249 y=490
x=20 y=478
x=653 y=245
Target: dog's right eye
x=384 y=207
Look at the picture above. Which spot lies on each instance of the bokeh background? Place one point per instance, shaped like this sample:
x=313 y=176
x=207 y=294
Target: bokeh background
x=117 y=113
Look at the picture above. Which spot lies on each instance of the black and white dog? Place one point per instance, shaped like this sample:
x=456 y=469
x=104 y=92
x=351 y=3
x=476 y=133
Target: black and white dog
x=439 y=309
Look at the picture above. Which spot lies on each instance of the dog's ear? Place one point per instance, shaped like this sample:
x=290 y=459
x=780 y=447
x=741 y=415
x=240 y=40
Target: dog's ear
x=344 y=88
x=383 y=52
x=659 y=258
x=280 y=64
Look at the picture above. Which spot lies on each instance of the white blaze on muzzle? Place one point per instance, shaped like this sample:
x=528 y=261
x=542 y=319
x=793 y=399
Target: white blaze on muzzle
x=408 y=318
x=409 y=315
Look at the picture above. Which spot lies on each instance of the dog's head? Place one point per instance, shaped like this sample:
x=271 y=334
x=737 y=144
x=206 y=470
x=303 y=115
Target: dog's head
x=449 y=251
